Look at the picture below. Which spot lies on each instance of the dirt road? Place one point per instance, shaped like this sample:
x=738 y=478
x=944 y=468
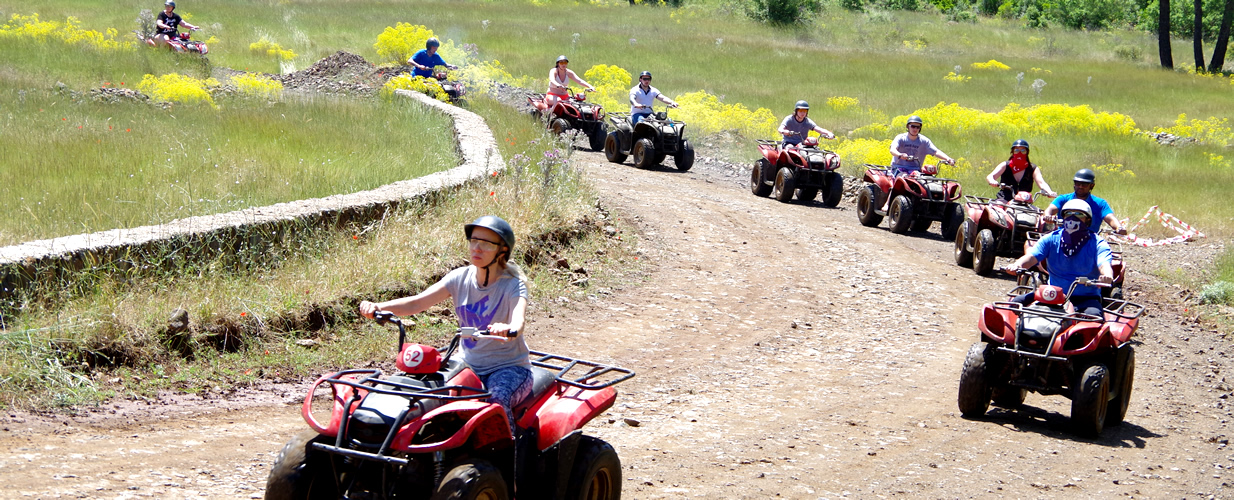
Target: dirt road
x=782 y=350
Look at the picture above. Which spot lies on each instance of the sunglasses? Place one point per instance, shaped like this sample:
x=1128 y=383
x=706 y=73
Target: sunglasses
x=483 y=245
x=1019 y=150
x=914 y=126
x=1075 y=213
x=645 y=79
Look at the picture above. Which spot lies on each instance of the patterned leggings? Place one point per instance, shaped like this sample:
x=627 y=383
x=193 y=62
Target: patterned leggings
x=509 y=386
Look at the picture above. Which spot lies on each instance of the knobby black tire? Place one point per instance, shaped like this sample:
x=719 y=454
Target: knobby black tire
x=758 y=177
x=953 y=220
x=597 y=471
x=983 y=252
x=300 y=473
x=901 y=214
x=963 y=257
x=785 y=186
x=561 y=126
x=1090 y=400
x=644 y=154
x=867 y=203
x=807 y=194
x=835 y=190
x=684 y=159
x=1009 y=397
x=612 y=148
x=1117 y=411
x=596 y=139
x=975 y=392
x=472 y=480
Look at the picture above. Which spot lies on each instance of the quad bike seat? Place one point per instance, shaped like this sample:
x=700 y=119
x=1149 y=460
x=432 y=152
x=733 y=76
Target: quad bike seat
x=542 y=381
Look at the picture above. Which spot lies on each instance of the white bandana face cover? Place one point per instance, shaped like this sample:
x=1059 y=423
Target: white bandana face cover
x=1072 y=224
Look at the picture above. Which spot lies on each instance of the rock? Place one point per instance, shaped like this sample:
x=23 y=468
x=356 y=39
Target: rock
x=306 y=343
x=631 y=422
x=179 y=321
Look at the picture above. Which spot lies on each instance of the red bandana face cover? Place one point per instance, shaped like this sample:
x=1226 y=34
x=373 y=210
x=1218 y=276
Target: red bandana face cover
x=1018 y=162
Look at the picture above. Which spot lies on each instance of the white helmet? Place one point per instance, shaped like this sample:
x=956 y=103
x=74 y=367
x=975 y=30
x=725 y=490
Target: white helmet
x=1079 y=206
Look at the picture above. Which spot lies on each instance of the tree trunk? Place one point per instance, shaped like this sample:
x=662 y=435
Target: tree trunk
x=1197 y=32
x=1223 y=38
x=1163 y=34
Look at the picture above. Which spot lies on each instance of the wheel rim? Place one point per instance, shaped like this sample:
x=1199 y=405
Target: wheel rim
x=487 y=494
x=863 y=203
x=895 y=212
x=779 y=185
x=601 y=486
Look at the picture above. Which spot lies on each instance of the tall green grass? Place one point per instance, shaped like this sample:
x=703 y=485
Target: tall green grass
x=77 y=166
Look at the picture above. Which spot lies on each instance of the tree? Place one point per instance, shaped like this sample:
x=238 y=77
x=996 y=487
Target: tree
x=1223 y=38
x=1163 y=34
x=1197 y=36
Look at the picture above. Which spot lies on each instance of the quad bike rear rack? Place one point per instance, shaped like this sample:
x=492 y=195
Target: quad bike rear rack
x=563 y=365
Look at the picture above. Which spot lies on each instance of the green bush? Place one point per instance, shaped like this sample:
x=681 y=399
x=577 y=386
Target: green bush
x=853 y=5
x=1092 y=14
x=1218 y=292
x=783 y=12
x=1129 y=52
x=988 y=7
x=902 y=4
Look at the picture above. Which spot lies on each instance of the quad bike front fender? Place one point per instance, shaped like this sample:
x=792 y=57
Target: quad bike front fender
x=882 y=181
x=997 y=325
x=998 y=216
x=569 y=410
x=484 y=425
x=1092 y=337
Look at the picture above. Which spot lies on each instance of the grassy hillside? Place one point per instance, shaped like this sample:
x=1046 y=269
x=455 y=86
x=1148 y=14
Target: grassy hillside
x=892 y=64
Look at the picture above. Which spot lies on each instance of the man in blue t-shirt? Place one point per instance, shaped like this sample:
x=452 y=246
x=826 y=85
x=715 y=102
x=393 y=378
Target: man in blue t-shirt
x=427 y=58
x=1085 y=179
x=1072 y=251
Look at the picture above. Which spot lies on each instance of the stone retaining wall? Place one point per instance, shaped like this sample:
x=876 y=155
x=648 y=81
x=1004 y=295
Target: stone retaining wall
x=201 y=236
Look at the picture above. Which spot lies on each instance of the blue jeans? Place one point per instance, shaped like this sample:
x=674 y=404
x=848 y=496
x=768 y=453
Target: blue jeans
x=635 y=117
x=508 y=386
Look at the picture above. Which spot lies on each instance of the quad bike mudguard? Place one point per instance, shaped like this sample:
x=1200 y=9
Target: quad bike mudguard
x=569 y=410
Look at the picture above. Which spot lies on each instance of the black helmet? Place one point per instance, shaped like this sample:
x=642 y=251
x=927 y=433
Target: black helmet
x=1020 y=143
x=802 y=105
x=645 y=73
x=432 y=42
x=561 y=58
x=1085 y=175
x=913 y=119
x=169 y=3
x=495 y=224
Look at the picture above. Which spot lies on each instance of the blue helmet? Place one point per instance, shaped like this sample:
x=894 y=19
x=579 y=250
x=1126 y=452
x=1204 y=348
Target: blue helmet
x=432 y=42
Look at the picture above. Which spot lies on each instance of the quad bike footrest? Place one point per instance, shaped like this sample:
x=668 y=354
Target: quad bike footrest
x=1031 y=354
x=359 y=454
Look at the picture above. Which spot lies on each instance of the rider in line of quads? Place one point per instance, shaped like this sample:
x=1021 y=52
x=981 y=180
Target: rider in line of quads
x=642 y=96
x=1018 y=172
x=909 y=149
x=559 y=82
x=797 y=126
x=1073 y=250
x=424 y=60
x=1084 y=182
x=167 y=27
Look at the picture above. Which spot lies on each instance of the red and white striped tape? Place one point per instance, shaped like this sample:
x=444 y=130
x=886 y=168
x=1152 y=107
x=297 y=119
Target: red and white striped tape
x=1184 y=230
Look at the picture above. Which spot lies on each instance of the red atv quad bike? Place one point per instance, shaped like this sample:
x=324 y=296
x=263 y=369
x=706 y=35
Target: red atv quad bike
x=995 y=228
x=1042 y=270
x=917 y=200
x=574 y=113
x=454 y=90
x=801 y=170
x=427 y=432
x=1049 y=349
x=182 y=42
